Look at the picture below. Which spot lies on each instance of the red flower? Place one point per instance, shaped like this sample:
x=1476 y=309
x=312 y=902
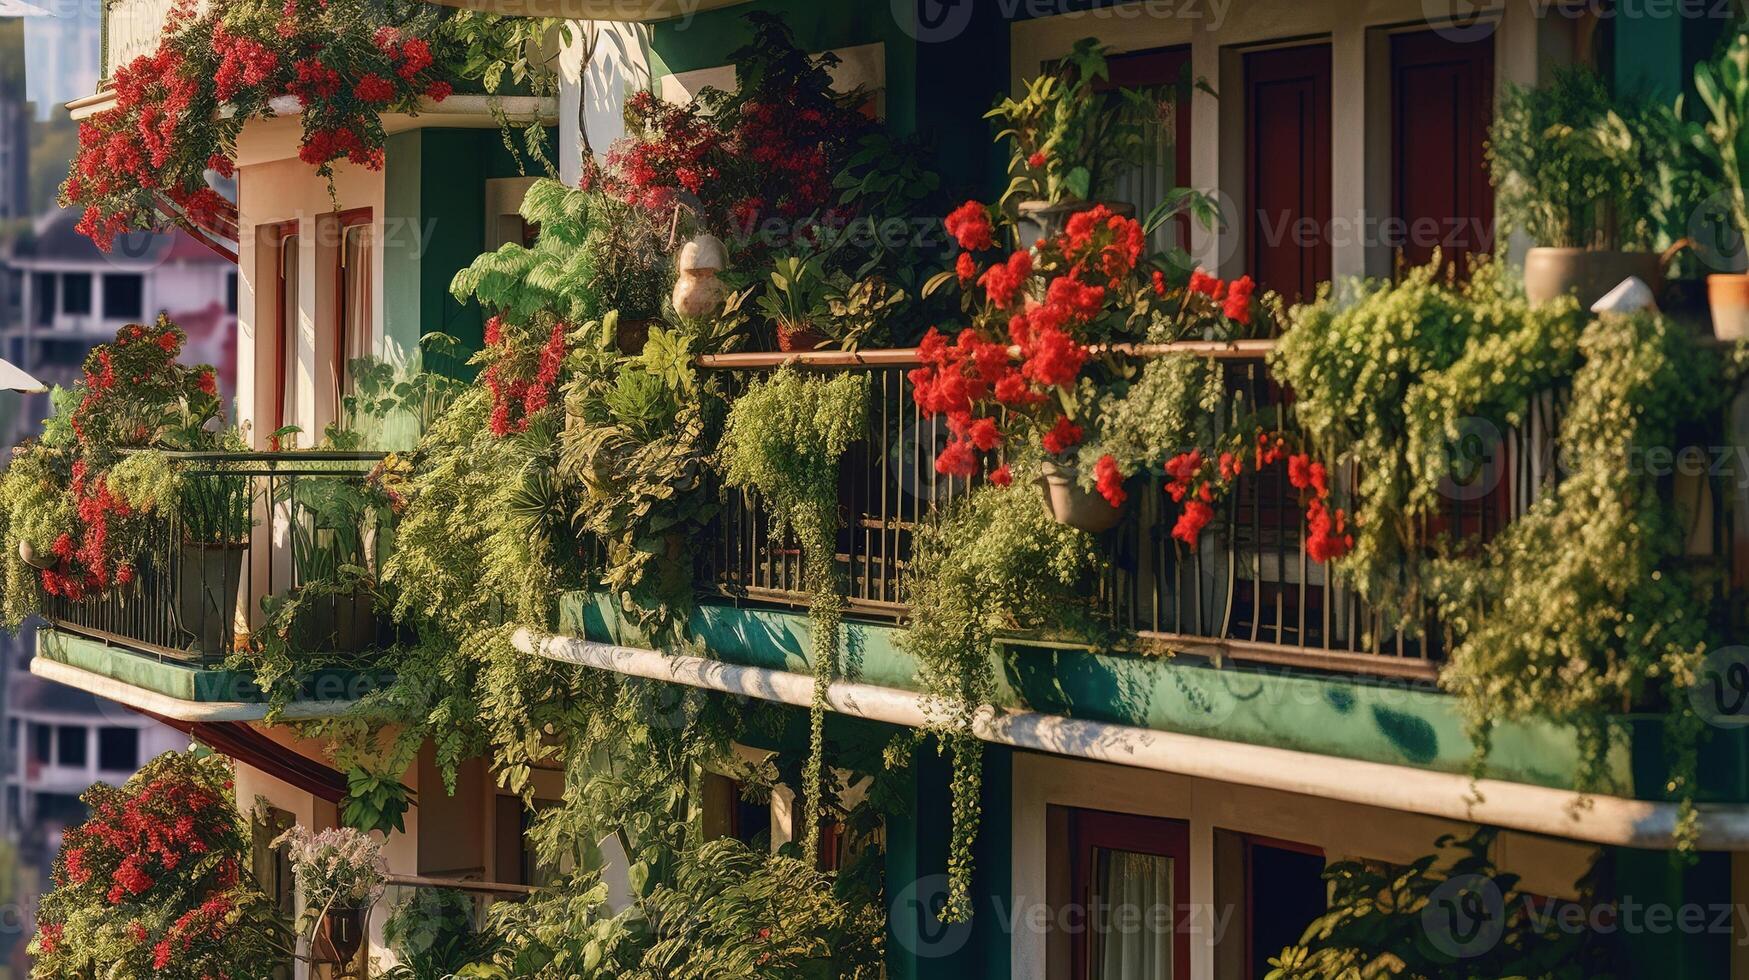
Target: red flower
x=1003 y=282
x=1037 y=160
x=956 y=459
x=1002 y=476
x=1207 y=285
x=966 y=267
x=208 y=382
x=1062 y=436
x=1195 y=517
x=1238 y=305
x=969 y=224
x=438 y=91
x=374 y=89
x=984 y=434
x=1110 y=481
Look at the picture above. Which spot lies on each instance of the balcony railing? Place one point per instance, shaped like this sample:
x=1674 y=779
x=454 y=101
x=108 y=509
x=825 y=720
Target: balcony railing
x=247 y=526
x=130 y=28
x=1250 y=591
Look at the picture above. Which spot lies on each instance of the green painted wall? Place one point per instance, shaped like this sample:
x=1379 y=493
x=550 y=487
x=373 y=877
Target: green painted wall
x=435 y=225
x=186 y=682
x=1348 y=717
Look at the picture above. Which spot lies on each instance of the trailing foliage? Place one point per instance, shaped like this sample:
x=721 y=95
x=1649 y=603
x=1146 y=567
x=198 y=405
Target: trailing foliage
x=994 y=564
x=1433 y=920
x=1393 y=381
x=784 y=438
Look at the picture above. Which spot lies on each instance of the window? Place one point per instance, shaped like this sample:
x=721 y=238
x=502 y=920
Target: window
x=1165 y=75
x=40 y=738
x=70 y=749
x=1132 y=876
x=42 y=287
x=1285 y=891
x=231 y=293
x=76 y=294
x=124 y=296
x=279 y=244
x=1287 y=168
x=118 y=749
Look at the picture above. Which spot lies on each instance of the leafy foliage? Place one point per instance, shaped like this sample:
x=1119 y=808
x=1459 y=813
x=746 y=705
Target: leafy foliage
x=1383 y=922
x=432 y=934
x=993 y=565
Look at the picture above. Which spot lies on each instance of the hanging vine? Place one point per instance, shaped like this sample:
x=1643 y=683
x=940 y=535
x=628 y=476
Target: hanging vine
x=784 y=438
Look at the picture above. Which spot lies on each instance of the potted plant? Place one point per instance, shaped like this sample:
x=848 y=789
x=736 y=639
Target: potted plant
x=1573 y=172
x=340 y=874
x=1723 y=88
x=794 y=302
x=332 y=521
x=213 y=510
x=627 y=270
x=1071 y=136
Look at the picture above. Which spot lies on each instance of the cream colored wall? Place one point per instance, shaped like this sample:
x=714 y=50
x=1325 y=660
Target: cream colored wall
x=1218 y=36
x=604 y=64
x=1341 y=830
x=274 y=186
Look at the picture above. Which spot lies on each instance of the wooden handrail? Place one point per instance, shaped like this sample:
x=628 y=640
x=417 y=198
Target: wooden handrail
x=460 y=885
x=1237 y=350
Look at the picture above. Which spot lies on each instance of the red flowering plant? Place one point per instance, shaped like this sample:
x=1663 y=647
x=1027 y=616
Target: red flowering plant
x=156 y=882
x=1050 y=336
x=770 y=149
x=1199 y=481
x=133 y=395
x=522 y=371
x=177 y=113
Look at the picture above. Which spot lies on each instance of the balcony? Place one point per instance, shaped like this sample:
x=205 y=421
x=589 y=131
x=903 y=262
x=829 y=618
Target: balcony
x=1248 y=593
x=249 y=531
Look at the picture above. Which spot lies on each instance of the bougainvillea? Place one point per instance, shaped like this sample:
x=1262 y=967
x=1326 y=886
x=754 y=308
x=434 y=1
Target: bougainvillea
x=1197 y=481
x=133 y=394
x=156 y=883
x=522 y=371
x=766 y=152
x=178 y=111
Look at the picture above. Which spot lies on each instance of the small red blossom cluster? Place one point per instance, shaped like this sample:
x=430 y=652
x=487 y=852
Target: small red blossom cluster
x=165 y=129
x=169 y=839
x=522 y=376
x=1197 y=481
x=1235 y=298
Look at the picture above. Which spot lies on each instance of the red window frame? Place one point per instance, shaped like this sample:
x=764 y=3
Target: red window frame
x=1471 y=63
x=1251 y=843
x=1091 y=830
x=1163 y=66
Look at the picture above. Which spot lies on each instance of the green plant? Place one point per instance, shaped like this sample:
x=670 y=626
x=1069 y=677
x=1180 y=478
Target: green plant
x=1174 y=403
x=336 y=869
x=1393 y=380
x=1070 y=139
x=35 y=513
x=1378 y=924
x=1570 y=166
x=628 y=272
x=521 y=51
x=784 y=438
x=432 y=934
x=1723 y=88
x=993 y=565
x=392 y=403
x=156 y=883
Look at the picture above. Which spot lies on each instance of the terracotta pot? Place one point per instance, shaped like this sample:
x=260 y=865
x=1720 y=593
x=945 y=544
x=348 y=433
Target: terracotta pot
x=1728 y=296
x=206 y=581
x=1587 y=274
x=1069 y=504
x=1042 y=219
x=798 y=340
x=343 y=933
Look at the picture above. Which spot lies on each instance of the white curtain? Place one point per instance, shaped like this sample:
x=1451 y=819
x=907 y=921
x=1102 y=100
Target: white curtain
x=1132 y=916
x=288 y=271
x=1156 y=174
x=355 y=338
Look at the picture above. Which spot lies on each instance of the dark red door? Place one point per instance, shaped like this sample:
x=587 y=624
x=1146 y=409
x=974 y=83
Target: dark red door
x=1131 y=877
x=1442 y=98
x=1287 y=168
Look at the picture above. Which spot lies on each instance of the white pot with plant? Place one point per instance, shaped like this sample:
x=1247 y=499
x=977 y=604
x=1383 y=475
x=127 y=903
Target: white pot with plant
x=1578 y=175
x=1071 y=138
x=340 y=874
x=1723 y=87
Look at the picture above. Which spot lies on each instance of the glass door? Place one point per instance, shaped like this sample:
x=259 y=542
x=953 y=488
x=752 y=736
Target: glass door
x=1132 y=876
